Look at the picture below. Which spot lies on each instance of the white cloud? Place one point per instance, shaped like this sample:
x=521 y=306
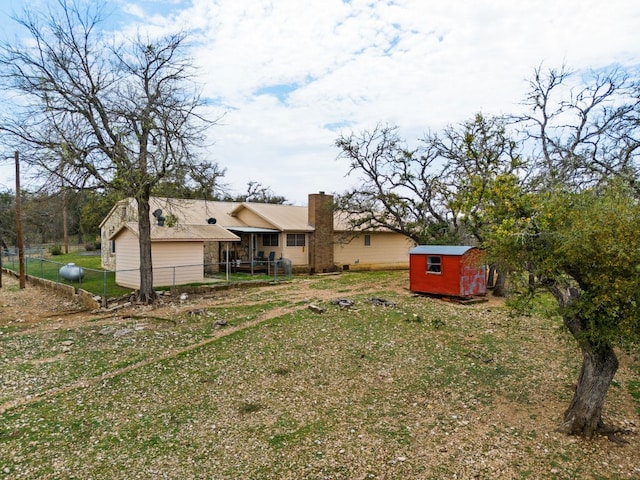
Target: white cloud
x=420 y=64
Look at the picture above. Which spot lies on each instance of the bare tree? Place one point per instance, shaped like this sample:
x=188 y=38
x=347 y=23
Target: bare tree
x=102 y=114
x=399 y=189
x=583 y=131
x=442 y=191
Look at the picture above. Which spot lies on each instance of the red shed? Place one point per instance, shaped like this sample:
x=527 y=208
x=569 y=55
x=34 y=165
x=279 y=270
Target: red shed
x=447 y=270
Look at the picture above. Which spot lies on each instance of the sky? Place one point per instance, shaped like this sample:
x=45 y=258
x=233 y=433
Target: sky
x=291 y=76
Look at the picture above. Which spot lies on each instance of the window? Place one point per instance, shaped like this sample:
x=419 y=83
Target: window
x=270 y=239
x=113 y=246
x=434 y=265
x=367 y=240
x=295 y=239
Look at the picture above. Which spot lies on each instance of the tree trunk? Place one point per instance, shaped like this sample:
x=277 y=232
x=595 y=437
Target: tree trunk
x=584 y=415
x=599 y=366
x=498 y=288
x=491 y=276
x=146 y=293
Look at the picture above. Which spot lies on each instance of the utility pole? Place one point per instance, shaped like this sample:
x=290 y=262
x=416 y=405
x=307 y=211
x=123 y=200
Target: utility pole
x=23 y=280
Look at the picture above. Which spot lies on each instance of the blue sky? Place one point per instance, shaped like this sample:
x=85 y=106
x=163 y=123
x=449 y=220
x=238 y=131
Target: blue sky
x=292 y=75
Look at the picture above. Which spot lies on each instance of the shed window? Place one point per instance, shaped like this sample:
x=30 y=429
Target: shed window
x=367 y=240
x=113 y=246
x=270 y=240
x=295 y=239
x=434 y=264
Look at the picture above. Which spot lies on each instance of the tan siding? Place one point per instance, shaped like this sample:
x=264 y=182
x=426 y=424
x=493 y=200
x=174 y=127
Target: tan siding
x=127 y=260
x=177 y=263
x=250 y=218
x=297 y=255
x=387 y=250
x=165 y=255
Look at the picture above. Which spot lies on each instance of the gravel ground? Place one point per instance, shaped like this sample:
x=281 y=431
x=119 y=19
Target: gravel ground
x=252 y=384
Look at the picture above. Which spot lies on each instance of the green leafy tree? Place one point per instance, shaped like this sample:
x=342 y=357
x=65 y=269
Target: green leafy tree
x=93 y=208
x=583 y=247
x=575 y=231
x=104 y=113
x=7 y=219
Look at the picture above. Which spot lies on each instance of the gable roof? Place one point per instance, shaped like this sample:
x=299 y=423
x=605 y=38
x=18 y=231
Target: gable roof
x=282 y=217
x=183 y=233
x=269 y=217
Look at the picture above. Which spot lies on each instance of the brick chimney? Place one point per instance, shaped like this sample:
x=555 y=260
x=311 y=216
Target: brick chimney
x=321 y=240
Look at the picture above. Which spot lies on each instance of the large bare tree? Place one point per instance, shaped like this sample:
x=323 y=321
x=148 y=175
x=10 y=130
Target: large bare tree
x=122 y=115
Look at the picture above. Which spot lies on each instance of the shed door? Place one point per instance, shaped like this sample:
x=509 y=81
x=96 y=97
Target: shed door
x=472 y=280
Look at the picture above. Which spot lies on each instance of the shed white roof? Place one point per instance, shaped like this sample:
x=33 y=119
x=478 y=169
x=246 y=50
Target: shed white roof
x=440 y=250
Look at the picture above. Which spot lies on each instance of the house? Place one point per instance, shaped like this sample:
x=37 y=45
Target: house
x=313 y=238
x=447 y=270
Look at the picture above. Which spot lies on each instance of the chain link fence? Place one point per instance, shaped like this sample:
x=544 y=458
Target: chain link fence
x=103 y=283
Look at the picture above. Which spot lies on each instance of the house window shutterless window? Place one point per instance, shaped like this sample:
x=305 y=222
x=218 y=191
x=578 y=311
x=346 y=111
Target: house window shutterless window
x=270 y=239
x=434 y=264
x=367 y=240
x=113 y=246
x=295 y=239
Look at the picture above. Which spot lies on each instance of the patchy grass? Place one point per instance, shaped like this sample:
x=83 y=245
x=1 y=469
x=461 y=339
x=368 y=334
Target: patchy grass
x=280 y=392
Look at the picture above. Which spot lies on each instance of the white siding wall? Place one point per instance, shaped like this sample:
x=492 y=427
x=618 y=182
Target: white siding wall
x=387 y=250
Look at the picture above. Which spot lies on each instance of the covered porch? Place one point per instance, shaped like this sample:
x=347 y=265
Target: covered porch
x=258 y=250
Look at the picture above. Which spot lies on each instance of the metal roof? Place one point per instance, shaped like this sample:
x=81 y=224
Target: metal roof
x=252 y=230
x=440 y=250
x=188 y=233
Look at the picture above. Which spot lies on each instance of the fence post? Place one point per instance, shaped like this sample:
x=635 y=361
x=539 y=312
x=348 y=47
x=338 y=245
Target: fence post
x=104 y=288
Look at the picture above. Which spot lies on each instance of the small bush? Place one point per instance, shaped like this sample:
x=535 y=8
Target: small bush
x=55 y=250
x=90 y=247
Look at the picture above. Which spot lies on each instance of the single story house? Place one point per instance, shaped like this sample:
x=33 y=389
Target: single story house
x=313 y=238
x=447 y=270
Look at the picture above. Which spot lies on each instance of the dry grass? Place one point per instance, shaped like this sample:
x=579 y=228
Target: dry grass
x=423 y=390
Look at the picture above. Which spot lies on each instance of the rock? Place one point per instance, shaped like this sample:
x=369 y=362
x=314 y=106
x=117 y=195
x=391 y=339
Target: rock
x=107 y=331
x=382 y=302
x=183 y=297
x=122 y=332
x=220 y=323
x=316 y=308
x=343 y=303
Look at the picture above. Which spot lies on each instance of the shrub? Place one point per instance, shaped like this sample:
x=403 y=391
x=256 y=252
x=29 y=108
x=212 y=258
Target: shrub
x=55 y=250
